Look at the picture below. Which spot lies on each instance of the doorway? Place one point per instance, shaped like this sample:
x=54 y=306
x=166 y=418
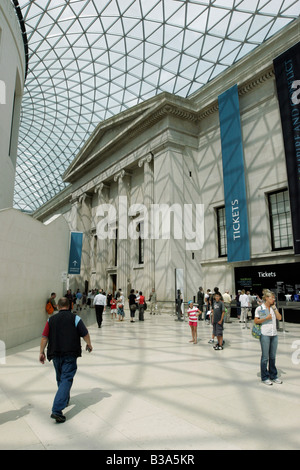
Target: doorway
x=113 y=283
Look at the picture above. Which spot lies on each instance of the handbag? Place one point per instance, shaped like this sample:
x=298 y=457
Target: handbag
x=256 y=331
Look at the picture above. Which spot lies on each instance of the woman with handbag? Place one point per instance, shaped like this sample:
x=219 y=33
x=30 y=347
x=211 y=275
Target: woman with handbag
x=266 y=316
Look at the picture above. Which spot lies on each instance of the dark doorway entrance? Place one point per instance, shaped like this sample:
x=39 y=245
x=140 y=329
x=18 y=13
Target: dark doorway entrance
x=113 y=283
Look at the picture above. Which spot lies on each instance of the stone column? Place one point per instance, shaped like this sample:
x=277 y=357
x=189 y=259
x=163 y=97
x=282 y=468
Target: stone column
x=123 y=246
x=149 y=247
x=73 y=280
x=102 y=255
x=74 y=215
x=84 y=226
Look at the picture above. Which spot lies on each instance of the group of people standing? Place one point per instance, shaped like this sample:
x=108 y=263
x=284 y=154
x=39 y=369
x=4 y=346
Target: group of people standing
x=116 y=302
x=205 y=303
x=101 y=301
x=213 y=304
x=243 y=300
x=266 y=317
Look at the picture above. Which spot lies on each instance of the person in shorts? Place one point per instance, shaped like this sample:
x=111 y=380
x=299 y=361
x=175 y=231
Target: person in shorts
x=193 y=313
x=113 y=308
x=218 y=313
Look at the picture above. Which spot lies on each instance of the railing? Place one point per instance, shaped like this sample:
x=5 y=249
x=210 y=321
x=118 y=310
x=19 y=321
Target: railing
x=288 y=305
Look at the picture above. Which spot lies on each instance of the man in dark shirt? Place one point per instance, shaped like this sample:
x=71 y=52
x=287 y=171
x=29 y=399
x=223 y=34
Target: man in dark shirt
x=200 y=300
x=62 y=334
x=218 y=312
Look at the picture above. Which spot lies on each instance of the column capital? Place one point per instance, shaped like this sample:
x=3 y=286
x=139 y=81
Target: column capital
x=146 y=159
x=100 y=187
x=82 y=198
x=121 y=174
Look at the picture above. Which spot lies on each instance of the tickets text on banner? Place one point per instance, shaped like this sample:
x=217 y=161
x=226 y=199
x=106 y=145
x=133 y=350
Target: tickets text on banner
x=238 y=248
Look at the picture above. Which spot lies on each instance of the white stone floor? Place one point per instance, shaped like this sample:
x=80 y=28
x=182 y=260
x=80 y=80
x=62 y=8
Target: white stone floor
x=145 y=387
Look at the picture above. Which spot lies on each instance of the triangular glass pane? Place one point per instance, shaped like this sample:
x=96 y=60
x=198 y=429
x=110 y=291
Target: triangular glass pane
x=239 y=25
x=156 y=13
x=193 y=11
x=178 y=18
x=137 y=32
x=171 y=8
x=291 y=11
x=157 y=36
x=277 y=26
x=200 y=23
x=171 y=32
x=189 y=72
x=110 y=9
x=148 y=6
x=250 y=5
x=228 y=4
x=172 y=66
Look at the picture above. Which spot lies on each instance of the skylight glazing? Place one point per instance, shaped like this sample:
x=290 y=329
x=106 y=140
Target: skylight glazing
x=92 y=59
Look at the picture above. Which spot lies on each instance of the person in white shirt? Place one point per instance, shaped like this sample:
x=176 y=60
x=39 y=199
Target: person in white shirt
x=266 y=316
x=244 y=301
x=250 y=300
x=227 y=304
x=100 y=306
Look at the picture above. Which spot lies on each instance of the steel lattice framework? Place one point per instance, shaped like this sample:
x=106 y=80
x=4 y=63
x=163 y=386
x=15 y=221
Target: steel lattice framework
x=92 y=59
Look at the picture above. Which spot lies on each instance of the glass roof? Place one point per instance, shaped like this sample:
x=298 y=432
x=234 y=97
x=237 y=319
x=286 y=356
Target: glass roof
x=92 y=59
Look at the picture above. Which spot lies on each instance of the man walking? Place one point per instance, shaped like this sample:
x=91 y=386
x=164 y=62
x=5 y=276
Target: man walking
x=62 y=334
x=100 y=306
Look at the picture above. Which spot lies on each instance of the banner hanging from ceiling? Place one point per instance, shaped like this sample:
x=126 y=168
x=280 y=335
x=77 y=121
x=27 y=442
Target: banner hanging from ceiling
x=238 y=247
x=75 y=253
x=287 y=73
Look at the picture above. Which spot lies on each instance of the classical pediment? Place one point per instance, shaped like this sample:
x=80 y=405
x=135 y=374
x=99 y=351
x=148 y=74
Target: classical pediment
x=110 y=134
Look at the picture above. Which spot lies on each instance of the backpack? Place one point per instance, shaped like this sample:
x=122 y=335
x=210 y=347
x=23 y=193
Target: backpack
x=49 y=308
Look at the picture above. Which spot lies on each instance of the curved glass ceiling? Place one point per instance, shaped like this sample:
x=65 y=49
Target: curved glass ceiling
x=92 y=59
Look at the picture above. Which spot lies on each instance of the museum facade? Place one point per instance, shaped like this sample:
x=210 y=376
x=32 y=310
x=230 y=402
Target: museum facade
x=181 y=193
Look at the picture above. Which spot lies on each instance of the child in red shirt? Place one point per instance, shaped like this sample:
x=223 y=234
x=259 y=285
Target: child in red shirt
x=113 y=308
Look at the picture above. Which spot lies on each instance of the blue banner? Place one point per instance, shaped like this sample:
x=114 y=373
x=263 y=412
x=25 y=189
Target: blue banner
x=238 y=248
x=75 y=253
